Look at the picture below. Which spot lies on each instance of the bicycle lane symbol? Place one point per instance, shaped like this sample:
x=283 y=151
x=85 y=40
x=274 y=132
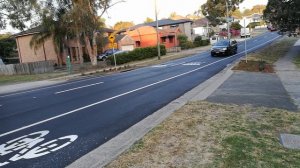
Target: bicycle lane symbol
x=31 y=146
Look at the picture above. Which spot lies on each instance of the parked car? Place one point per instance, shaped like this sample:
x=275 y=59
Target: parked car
x=108 y=53
x=245 y=32
x=224 y=48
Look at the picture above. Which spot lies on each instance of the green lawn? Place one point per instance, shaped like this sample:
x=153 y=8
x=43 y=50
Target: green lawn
x=297 y=61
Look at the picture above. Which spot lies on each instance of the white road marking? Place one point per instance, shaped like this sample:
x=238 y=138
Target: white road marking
x=29 y=146
x=63 y=91
x=48 y=87
x=158 y=66
x=193 y=63
x=126 y=93
x=166 y=65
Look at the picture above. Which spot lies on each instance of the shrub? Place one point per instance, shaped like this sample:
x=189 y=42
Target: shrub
x=137 y=54
x=198 y=41
x=187 y=45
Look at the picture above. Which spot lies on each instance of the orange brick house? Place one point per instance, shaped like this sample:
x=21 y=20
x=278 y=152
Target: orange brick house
x=145 y=35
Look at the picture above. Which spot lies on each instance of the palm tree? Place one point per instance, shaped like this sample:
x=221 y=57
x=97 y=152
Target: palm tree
x=51 y=28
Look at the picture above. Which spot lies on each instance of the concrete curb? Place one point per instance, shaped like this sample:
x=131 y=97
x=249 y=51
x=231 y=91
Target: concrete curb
x=109 y=151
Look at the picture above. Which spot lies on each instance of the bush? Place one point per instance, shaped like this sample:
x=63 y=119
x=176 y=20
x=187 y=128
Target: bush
x=137 y=54
x=187 y=45
x=199 y=42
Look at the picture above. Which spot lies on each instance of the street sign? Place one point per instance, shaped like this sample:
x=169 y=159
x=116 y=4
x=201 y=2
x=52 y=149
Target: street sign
x=111 y=38
x=112 y=45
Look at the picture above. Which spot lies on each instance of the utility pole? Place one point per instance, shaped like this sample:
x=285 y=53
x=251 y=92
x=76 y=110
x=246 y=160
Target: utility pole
x=157 y=36
x=245 y=38
x=227 y=19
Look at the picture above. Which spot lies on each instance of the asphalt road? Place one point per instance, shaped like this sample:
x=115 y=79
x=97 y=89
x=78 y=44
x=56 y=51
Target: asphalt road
x=54 y=126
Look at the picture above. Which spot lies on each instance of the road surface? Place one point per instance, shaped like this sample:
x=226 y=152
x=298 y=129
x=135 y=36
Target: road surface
x=53 y=126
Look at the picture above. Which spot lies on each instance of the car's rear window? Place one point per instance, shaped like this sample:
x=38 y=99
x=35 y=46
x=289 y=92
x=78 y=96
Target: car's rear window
x=221 y=43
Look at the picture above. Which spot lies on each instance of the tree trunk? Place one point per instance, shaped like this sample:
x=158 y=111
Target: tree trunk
x=90 y=51
x=79 y=49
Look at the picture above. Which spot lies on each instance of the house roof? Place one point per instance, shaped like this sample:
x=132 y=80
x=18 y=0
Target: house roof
x=117 y=39
x=34 y=30
x=106 y=30
x=168 y=32
x=201 y=22
x=39 y=29
x=166 y=22
x=163 y=22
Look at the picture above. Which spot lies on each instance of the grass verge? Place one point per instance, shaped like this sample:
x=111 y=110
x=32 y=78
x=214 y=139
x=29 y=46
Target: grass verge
x=297 y=61
x=203 y=134
x=9 y=79
x=263 y=60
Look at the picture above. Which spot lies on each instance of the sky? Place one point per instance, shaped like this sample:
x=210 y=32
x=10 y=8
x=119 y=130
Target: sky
x=137 y=11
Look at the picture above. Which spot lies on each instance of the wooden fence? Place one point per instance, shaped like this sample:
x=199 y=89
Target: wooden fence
x=27 y=68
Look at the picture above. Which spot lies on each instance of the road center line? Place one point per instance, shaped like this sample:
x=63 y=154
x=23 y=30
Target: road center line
x=123 y=94
x=63 y=91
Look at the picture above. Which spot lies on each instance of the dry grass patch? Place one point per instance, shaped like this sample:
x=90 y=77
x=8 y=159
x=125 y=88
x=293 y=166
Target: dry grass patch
x=10 y=79
x=202 y=134
x=263 y=60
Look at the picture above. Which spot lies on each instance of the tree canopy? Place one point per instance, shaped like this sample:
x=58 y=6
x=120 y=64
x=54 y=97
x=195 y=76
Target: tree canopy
x=283 y=13
x=123 y=25
x=148 y=20
x=17 y=13
x=215 y=10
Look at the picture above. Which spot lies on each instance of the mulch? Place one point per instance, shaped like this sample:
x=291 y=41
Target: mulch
x=254 y=66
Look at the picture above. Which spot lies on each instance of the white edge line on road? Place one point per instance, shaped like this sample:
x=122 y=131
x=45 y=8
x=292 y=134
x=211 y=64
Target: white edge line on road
x=63 y=91
x=48 y=87
x=123 y=94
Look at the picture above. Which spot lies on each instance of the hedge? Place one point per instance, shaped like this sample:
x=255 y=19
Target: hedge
x=137 y=54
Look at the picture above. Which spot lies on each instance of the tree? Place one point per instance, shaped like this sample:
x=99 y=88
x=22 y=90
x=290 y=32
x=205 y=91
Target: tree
x=7 y=46
x=175 y=16
x=16 y=12
x=123 y=25
x=148 y=20
x=283 y=14
x=237 y=14
x=235 y=26
x=247 y=12
x=258 y=9
x=215 y=10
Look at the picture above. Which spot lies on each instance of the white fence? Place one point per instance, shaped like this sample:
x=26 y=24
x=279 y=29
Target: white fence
x=27 y=68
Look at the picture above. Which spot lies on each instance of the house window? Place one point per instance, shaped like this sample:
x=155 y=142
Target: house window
x=138 y=44
x=163 y=39
x=171 y=39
